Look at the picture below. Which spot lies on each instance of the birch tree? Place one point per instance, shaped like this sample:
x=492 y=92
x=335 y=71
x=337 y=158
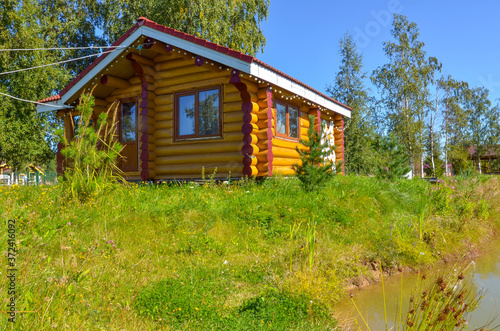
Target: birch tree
x=404 y=86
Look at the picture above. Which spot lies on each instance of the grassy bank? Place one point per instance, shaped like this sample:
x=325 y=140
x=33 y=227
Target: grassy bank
x=243 y=256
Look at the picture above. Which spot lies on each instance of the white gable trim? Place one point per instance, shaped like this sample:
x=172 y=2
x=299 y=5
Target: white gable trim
x=253 y=69
x=191 y=47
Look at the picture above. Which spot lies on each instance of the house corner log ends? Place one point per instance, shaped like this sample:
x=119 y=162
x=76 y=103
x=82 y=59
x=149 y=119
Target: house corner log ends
x=246 y=107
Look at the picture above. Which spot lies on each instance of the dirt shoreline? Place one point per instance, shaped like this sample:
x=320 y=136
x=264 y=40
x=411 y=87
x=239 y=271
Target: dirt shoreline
x=373 y=276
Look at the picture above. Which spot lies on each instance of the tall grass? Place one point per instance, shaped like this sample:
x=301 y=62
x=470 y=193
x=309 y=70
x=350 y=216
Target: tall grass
x=230 y=253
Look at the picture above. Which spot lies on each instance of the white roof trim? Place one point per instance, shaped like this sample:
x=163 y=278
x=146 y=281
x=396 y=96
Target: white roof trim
x=197 y=49
x=274 y=78
x=253 y=69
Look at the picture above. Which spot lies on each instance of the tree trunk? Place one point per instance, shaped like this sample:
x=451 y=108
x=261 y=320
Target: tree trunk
x=432 y=154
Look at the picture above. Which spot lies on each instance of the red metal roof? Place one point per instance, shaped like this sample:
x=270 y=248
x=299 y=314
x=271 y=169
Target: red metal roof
x=202 y=42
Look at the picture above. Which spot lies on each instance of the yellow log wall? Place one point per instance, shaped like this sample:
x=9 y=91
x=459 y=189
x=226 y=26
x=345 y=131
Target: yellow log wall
x=185 y=159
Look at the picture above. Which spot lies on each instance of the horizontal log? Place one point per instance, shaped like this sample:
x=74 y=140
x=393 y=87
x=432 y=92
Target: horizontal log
x=165 y=124
x=263 y=104
x=263 y=169
x=132 y=90
x=162 y=76
x=233 y=127
x=195 y=170
x=163 y=115
x=196 y=159
x=233 y=136
x=262 y=114
x=287 y=162
x=262 y=145
x=199 y=147
x=252 y=88
x=218 y=175
x=169 y=82
x=136 y=80
x=233 y=117
x=285 y=152
x=159 y=47
x=286 y=143
x=160 y=142
x=164 y=109
x=115 y=82
x=115 y=97
x=164 y=99
x=234 y=106
x=141 y=59
x=171 y=63
x=169 y=56
x=236 y=96
x=261 y=134
x=164 y=133
x=280 y=170
x=191 y=85
x=263 y=124
x=262 y=93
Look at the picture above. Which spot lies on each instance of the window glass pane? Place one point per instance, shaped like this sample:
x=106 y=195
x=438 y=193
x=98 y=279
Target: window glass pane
x=293 y=120
x=128 y=122
x=186 y=115
x=281 y=118
x=208 y=112
x=77 y=121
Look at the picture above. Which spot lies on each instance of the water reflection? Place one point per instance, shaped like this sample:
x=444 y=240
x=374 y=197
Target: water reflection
x=485 y=273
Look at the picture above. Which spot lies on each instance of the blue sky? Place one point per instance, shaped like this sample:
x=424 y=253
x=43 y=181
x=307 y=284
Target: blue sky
x=303 y=37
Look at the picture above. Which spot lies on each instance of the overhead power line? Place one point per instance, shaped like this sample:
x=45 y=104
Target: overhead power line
x=30 y=101
x=56 y=48
x=51 y=64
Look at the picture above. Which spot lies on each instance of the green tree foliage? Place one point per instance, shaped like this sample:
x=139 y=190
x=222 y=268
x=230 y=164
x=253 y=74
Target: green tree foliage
x=82 y=23
x=235 y=24
x=404 y=85
x=469 y=120
x=314 y=170
x=393 y=160
x=24 y=135
x=348 y=88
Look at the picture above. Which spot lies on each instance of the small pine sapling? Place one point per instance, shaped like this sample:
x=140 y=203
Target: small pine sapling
x=314 y=169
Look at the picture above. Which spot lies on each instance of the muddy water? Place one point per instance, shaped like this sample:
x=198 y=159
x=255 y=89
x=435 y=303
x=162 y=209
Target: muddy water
x=484 y=271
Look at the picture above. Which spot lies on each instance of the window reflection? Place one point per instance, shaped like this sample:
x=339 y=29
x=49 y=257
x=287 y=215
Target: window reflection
x=293 y=119
x=128 y=122
x=281 y=118
x=208 y=113
x=186 y=115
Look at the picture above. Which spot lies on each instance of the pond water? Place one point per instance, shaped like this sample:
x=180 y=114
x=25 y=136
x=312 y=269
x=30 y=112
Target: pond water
x=484 y=271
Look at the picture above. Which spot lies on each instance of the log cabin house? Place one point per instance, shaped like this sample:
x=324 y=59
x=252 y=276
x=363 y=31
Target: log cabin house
x=187 y=104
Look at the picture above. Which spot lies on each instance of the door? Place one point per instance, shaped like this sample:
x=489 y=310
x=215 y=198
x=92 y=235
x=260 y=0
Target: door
x=128 y=136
